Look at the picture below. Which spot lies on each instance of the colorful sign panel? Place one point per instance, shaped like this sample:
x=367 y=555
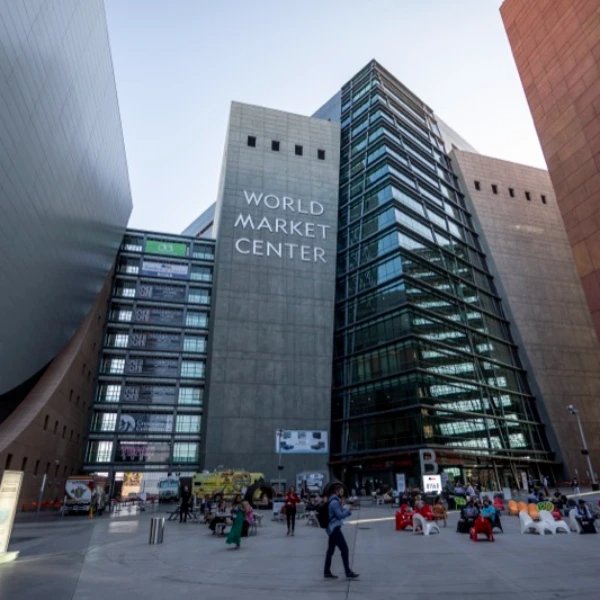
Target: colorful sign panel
x=159 y=269
x=432 y=484
x=9 y=499
x=302 y=442
x=170 y=248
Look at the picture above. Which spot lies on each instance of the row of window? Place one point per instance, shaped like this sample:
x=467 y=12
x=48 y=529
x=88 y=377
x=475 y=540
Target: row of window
x=142 y=452
x=160 y=316
x=9 y=465
x=141 y=422
x=511 y=192
x=276 y=145
x=142 y=340
x=154 y=367
x=150 y=394
x=64 y=429
x=168 y=247
x=162 y=293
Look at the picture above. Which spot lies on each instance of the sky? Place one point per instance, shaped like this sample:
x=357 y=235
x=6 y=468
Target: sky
x=180 y=63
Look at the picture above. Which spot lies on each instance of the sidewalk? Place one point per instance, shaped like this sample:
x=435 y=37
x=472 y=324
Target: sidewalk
x=83 y=559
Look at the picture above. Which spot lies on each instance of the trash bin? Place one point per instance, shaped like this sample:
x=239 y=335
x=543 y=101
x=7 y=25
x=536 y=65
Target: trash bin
x=157 y=529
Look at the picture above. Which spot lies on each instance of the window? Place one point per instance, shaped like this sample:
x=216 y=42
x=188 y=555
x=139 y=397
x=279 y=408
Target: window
x=100 y=452
x=251 y=141
x=185 y=452
x=477 y=185
x=194 y=319
x=528 y=195
x=511 y=191
x=188 y=395
x=8 y=461
x=116 y=366
x=275 y=145
x=201 y=274
x=544 y=199
x=46 y=422
x=187 y=424
x=110 y=393
x=494 y=188
x=194 y=344
x=298 y=150
x=105 y=422
x=64 y=431
x=55 y=426
x=56 y=470
x=199 y=297
x=37 y=466
x=124 y=315
x=203 y=251
x=321 y=154
x=24 y=464
x=71 y=438
x=193 y=369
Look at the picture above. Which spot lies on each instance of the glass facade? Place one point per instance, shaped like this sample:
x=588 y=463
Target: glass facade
x=423 y=352
x=147 y=413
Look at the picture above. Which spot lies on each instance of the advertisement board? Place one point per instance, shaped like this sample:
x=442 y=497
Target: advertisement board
x=162 y=316
x=302 y=442
x=143 y=452
x=162 y=292
x=432 y=484
x=155 y=341
x=149 y=394
x=145 y=423
x=158 y=269
x=400 y=482
x=157 y=367
x=170 y=248
x=9 y=499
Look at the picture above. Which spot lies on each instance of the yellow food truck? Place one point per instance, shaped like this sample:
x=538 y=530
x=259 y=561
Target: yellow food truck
x=223 y=484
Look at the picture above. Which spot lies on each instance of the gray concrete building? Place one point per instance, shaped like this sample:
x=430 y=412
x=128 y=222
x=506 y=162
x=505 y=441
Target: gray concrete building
x=524 y=237
x=271 y=333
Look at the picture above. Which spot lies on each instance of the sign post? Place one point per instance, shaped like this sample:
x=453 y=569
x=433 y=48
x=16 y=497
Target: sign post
x=10 y=489
x=432 y=484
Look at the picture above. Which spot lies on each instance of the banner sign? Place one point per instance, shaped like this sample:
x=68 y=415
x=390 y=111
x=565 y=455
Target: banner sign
x=159 y=269
x=162 y=292
x=9 y=499
x=149 y=394
x=302 y=442
x=432 y=484
x=143 y=452
x=401 y=482
x=145 y=423
x=170 y=248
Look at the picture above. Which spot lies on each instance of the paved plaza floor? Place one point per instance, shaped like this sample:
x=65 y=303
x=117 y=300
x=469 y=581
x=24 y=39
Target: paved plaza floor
x=76 y=558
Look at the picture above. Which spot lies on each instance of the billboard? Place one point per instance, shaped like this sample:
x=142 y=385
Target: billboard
x=10 y=488
x=432 y=484
x=158 y=269
x=302 y=442
x=143 y=452
x=170 y=248
x=145 y=423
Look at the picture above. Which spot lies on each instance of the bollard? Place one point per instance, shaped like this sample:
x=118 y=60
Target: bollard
x=157 y=529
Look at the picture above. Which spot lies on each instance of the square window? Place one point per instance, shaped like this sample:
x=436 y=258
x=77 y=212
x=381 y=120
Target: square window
x=477 y=185
x=544 y=199
x=528 y=195
x=511 y=192
x=251 y=141
x=275 y=145
x=494 y=188
x=298 y=150
x=321 y=154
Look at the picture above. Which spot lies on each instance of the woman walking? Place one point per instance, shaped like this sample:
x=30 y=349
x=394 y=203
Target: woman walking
x=291 y=500
x=239 y=516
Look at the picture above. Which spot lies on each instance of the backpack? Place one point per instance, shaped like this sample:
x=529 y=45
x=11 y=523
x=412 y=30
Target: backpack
x=323 y=515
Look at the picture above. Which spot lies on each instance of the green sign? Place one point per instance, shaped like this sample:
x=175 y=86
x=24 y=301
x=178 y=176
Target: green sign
x=170 y=248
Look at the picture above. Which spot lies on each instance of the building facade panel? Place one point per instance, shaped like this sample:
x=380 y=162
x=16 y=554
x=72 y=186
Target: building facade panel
x=64 y=188
x=530 y=256
x=555 y=46
x=270 y=348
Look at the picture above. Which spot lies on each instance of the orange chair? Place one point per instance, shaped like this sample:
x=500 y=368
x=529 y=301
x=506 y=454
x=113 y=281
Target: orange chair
x=521 y=506
x=513 y=508
x=533 y=511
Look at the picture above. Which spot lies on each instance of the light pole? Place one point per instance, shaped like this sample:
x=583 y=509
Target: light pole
x=585 y=450
x=280 y=433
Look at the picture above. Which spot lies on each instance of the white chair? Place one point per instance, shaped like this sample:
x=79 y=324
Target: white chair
x=300 y=510
x=554 y=525
x=528 y=525
x=573 y=522
x=421 y=525
x=311 y=518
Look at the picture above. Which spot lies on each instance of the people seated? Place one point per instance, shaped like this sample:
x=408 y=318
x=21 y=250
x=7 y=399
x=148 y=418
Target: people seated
x=585 y=517
x=439 y=510
x=532 y=497
x=467 y=517
x=419 y=503
x=387 y=498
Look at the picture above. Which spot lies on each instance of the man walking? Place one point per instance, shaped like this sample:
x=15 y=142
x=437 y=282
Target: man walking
x=337 y=514
x=185 y=504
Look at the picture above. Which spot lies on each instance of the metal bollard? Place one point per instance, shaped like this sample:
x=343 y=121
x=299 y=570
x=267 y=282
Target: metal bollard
x=157 y=529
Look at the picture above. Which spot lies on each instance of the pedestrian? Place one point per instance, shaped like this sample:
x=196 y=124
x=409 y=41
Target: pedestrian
x=235 y=533
x=185 y=504
x=545 y=485
x=291 y=500
x=337 y=513
x=575 y=486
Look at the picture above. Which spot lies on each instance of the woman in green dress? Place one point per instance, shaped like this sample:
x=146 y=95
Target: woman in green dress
x=235 y=533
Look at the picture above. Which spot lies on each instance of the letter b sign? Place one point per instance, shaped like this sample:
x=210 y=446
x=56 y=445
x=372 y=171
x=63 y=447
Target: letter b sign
x=428 y=461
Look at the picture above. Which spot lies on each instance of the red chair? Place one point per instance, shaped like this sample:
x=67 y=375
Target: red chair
x=483 y=526
x=499 y=504
x=427 y=513
x=404 y=518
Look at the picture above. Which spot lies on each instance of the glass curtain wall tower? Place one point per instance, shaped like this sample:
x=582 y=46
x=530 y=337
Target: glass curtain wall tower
x=424 y=354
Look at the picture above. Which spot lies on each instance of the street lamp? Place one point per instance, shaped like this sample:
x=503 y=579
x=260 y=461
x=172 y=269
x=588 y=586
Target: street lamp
x=585 y=450
x=280 y=433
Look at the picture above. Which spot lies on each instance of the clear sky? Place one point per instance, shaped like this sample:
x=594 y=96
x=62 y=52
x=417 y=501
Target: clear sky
x=179 y=64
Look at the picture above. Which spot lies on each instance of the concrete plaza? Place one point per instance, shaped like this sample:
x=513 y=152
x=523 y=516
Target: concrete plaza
x=77 y=558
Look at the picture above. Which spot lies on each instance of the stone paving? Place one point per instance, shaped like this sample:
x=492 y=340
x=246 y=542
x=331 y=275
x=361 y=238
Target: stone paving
x=77 y=558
